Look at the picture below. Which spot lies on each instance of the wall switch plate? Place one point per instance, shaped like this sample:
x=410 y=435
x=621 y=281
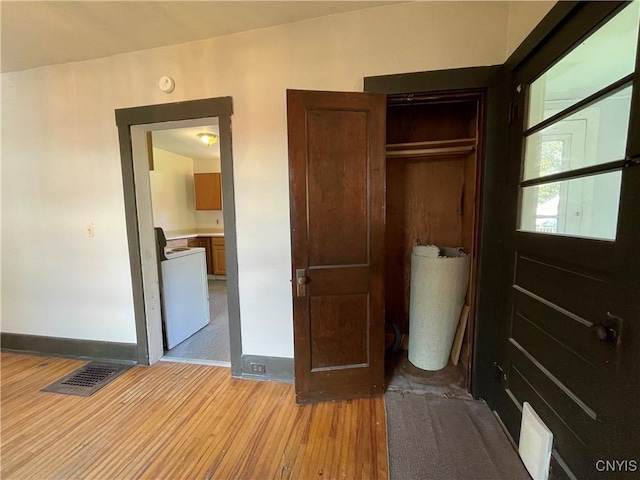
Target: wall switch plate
x=90 y=230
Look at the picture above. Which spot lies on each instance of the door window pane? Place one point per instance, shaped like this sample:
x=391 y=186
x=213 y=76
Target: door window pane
x=606 y=56
x=581 y=207
x=594 y=135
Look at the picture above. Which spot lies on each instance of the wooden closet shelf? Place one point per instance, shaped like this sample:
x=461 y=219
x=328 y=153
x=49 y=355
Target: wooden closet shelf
x=457 y=142
x=430 y=152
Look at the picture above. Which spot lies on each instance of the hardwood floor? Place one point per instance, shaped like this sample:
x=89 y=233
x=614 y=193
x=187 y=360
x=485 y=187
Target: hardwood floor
x=180 y=421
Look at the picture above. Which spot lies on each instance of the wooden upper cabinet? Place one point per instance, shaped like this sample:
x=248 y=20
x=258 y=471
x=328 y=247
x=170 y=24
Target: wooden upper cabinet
x=208 y=188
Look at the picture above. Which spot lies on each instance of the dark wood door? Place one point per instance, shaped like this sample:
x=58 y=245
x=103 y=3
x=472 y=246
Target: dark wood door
x=574 y=336
x=336 y=181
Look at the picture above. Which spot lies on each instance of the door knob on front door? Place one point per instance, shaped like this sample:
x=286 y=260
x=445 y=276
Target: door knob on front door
x=610 y=330
x=605 y=334
x=301 y=282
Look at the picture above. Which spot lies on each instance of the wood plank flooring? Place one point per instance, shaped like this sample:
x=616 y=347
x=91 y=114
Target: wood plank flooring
x=180 y=421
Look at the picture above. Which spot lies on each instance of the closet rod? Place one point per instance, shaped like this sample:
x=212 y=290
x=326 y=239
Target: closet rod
x=456 y=142
x=430 y=152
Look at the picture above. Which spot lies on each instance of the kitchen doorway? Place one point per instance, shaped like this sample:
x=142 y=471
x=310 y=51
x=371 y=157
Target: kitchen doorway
x=136 y=129
x=186 y=197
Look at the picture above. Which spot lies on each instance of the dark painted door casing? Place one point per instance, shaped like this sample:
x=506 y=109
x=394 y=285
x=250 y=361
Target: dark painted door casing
x=490 y=305
x=336 y=181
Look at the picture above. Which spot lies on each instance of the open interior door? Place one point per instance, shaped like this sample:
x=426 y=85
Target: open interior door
x=574 y=323
x=336 y=181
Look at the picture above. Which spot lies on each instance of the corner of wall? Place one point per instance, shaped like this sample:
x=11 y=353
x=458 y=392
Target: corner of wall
x=522 y=18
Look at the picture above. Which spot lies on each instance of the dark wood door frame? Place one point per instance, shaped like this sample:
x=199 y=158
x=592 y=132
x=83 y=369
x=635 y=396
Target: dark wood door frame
x=492 y=82
x=222 y=108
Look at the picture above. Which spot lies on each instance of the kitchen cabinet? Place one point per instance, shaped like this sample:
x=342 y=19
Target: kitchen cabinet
x=204 y=242
x=208 y=190
x=219 y=259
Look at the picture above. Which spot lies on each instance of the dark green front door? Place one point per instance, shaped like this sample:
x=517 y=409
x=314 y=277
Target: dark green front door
x=574 y=291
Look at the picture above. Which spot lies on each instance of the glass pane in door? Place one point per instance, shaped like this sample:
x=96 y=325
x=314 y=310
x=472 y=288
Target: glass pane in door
x=606 y=56
x=592 y=136
x=581 y=207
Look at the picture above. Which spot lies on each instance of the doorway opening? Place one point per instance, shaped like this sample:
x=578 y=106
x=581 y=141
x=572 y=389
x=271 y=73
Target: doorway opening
x=186 y=196
x=163 y=189
x=433 y=169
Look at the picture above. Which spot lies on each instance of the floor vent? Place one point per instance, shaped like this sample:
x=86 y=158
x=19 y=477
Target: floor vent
x=87 y=380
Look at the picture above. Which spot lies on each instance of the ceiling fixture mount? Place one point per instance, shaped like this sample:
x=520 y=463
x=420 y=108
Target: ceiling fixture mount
x=208 y=138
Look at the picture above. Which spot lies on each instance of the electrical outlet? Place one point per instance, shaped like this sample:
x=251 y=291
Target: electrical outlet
x=90 y=230
x=258 y=368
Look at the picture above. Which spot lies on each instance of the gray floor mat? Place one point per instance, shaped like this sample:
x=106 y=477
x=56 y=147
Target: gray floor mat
x=439 y=438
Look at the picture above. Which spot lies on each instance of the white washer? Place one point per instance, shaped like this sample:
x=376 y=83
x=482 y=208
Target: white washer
x=185 y=293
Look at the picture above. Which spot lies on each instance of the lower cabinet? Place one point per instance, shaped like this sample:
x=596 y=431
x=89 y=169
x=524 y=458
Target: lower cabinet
x=214 y=251
x=204 y=242
x=219 y=259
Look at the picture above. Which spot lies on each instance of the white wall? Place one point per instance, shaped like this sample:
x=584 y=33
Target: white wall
x=523 y=17
x=172 y=194
x=59 y=282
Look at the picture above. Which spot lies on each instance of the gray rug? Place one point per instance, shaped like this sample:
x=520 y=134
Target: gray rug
x=212 y=342
x=439 y=438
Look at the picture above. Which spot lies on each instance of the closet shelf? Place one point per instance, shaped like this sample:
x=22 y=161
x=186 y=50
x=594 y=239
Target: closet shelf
x=460 y=146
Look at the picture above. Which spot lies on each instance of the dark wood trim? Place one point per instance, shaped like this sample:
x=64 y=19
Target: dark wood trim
x=230 y=244
x=435 y=81
x=167 y=112
x=69 y=347
x=278 y=369
x=578 y=173
x=133 y=241
x=490 y=322
x=150 y=149
x=126 y=118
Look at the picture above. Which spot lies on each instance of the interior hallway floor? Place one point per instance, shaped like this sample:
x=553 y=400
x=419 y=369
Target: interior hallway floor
x=210 y=344
x=175 y=420
x=180 y=421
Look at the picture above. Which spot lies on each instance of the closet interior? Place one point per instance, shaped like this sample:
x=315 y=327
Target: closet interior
x=433 y=183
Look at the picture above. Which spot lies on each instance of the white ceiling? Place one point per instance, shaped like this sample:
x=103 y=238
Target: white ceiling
x=38 y=33
x=185 y=142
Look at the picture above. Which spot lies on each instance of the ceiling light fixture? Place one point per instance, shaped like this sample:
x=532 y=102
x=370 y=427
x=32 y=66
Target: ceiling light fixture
x=208 y=138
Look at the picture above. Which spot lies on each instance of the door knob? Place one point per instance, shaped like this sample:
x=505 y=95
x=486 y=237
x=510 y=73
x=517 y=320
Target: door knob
x=610 y=330
x=605 y=333
x=301 y=282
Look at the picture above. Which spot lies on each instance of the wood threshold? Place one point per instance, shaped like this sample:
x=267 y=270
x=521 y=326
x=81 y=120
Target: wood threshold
x=174 y=420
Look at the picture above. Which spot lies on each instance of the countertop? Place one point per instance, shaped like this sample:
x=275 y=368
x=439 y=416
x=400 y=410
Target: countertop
x=176 y=235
